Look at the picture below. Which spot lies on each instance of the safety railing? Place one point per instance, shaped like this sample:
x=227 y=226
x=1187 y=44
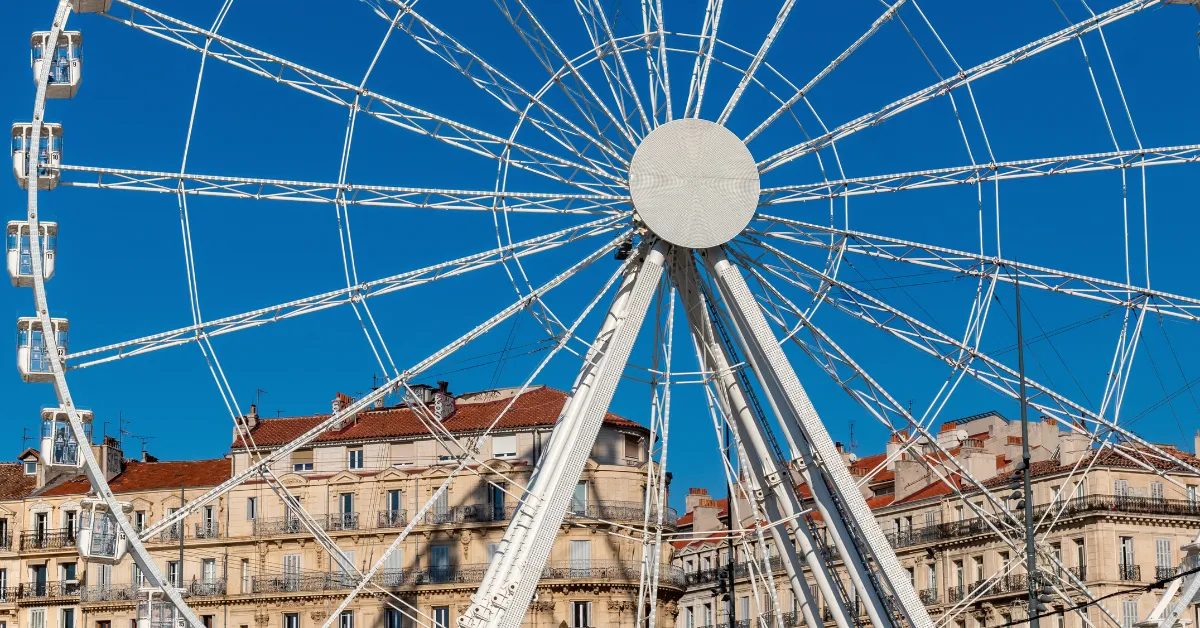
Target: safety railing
x=391 y=519
x=48 y=590
x=35 y=540
x=1129 y=572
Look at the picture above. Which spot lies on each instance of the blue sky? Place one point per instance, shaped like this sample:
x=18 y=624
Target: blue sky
x=121 y=269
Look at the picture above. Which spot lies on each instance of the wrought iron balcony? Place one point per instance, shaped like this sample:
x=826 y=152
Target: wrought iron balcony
x=205 y=588
x=208 y=530
x=277 y=525
x=48 y=590
x=621 y=511
x=1163 y=573
x=928 y=597
x=1079 y=571
x=6 y=541
x=10 y=594
x=391 y=519
x=340 y=521
x=1071 y=507
x=1129 y=572
x=955 y=595
x=42 y=540
x=109 y=593
x=471 y=513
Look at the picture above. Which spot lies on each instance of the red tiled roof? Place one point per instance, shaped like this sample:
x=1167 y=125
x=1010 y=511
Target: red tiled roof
x=146 y=476
x=880 y=501
x=14 y=484
x=716 y=534
x=540 y=406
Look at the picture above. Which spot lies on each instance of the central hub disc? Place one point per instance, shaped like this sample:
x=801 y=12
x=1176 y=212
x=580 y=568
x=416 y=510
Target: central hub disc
x=694 y=183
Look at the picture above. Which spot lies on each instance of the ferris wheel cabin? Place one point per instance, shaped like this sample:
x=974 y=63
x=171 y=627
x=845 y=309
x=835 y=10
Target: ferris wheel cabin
x=49 y=154
x=66 y=62
x=60 y=448
x=99 y=539
x=20 y=258
x=91 y=6
x=33 y=358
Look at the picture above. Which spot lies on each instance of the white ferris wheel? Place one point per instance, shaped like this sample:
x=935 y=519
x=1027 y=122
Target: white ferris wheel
x=714 y=179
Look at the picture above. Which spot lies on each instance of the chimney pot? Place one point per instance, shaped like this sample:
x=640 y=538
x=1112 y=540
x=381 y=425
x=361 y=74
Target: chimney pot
x=254 y=410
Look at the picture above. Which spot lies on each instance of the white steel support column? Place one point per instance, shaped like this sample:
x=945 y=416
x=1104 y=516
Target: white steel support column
x=511 y=580
x=811 y=444
x=777 y=501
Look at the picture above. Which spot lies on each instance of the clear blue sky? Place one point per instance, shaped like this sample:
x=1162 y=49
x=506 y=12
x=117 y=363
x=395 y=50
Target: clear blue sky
x=121 y=270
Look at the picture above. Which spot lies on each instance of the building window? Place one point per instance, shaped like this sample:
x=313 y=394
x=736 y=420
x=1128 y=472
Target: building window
x=1129 y=613
x=67 y=571
x=1156 y=491
x=356 y=458
x=441 y=617
x=302 y=460
x=103 y=623
x=67 y=618
x=139 y=520
x=579 y=499
x=69 y=520
x=251 y=508
x=394 y=619
x=504 y=446
x=207 y=620
x=346 y=619
x=689 y=618
x=30 y=467
x=1165 y=567
x=291 y=620
x=173 y=574
x=492 y=550
x=1120 y=488
x=708 y=614
x=633 y=447
x=246 y=576
x=581 y=614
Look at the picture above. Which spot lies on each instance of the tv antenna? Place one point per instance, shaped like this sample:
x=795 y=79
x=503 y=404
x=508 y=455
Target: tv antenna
x=258 y=393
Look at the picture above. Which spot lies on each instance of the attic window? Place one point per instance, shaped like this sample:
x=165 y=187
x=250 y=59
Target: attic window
x=633 y=447
x=504 y=446
x=302 y=460
x=30 y=467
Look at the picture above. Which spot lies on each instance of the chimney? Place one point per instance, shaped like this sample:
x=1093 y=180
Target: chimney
x=341 y=400
x=1196 y=444
x=694 y=496
x=443 y=401
x=111 y=458
x=894 y=446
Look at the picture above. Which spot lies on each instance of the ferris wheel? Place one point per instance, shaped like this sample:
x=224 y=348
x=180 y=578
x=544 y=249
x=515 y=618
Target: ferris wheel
x=695 y=159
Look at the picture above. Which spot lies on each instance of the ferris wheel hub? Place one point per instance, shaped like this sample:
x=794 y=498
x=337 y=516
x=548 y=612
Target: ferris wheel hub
x=694 y=183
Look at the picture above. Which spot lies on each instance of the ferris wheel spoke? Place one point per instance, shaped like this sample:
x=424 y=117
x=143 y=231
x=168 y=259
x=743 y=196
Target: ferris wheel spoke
x=508 y=92
x=976 y=173
x=620 y=83
x=803 y=91
x=337 y=91
x=543 y=46
x=982 y=367
x=318 y=192
x=654 y=41
x=352 y=294
x=945 y=86
x=704 y=57
x=391 y=385
x=757 y=61
x=976 y=265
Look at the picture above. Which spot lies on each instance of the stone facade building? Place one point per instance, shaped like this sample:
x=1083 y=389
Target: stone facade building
x=1121 y=528
x=248 y=563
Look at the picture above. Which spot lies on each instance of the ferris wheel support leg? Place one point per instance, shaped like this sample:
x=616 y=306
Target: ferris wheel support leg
x=511 y=580
x=778 y=502
x=853 y=527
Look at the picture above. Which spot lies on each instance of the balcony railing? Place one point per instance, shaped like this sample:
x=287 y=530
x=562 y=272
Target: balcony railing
x=459 y=574
x=1075 y=506
x=472 y=513
x=955 y=595
x=48 y=590
x=205 y=588
x=621 y=511
x=208 y=530
x=6 y=541
x=740 y=570
x=1129 y=572
x=391 y=519
x=1162 y=573
x=1079 y=572
x=277 y=525
x=928 y=597
x=35 y=540
x=338 y=521
x=109 y=593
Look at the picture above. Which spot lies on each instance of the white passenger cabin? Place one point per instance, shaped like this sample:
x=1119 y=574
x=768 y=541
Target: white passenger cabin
x=91 y=6
x=66 y=62
x=33 y=359
x=99 y=538
x=60 y=448
x=49 y=154
x=154 y=611
x=20 y=259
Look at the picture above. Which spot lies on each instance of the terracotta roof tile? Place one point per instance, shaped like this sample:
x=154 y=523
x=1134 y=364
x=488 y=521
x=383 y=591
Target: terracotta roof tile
x=14 y=484
x=146 y=476
x=880 y=501
x=537 y=407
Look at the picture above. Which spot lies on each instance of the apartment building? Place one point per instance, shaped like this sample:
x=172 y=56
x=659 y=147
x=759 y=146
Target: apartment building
x=245 y=560
x=1119 y=528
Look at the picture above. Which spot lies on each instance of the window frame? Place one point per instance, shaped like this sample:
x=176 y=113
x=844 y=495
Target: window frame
x=355 y=458
x=509 y=448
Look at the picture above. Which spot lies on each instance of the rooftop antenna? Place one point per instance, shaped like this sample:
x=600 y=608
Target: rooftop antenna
x=258 y=393
x=121 y=431
x=143 y=440
x=24 y=437
x=853 y=444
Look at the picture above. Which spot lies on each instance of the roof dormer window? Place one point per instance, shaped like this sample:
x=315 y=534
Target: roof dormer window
x=30 y=467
